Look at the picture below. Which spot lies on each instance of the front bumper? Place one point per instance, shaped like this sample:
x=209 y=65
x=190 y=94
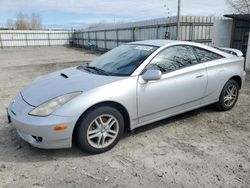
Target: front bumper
x=30 y=127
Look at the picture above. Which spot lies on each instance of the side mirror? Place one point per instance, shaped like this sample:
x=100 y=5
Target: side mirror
x=150 y=75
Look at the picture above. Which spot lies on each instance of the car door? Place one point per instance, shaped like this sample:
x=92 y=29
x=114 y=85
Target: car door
x=181 y=87
x=217 y=69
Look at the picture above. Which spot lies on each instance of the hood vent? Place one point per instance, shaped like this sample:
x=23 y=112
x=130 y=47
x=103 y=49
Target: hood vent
x=64 y=75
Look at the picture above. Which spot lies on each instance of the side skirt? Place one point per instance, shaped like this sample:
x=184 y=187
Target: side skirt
x=170 y=115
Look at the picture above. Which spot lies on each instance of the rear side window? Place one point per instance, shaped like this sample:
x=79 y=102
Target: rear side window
x=205 y=55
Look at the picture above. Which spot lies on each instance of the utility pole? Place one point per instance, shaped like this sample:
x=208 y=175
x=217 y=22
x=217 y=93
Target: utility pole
x=178 y=20
x=166 y=36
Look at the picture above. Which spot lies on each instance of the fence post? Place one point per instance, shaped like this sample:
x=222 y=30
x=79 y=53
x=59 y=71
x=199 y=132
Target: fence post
x=1 y=42
x=96 y=38
x=71 y=38
x=26 y=39
x=82 y=39
x=133 y=34
x=105 y=40
x=157 y=32
x=49 y=39
x=117 y=37
x=192 y=31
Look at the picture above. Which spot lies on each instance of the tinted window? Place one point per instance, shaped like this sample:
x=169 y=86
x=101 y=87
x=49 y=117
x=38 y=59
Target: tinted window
x=205 y=55
x=123 y=60
x=173 y=58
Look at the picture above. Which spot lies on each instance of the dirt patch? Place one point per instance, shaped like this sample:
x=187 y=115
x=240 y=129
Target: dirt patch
x=202 y=148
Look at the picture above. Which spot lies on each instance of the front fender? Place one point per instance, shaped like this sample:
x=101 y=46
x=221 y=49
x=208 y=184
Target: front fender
x=122 y=92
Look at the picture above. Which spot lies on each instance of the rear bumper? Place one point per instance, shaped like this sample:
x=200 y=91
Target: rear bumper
x=30 y=127
x=243 y=78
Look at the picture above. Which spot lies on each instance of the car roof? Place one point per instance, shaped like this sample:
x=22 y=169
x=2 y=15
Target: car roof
x=161 y=43
x=158 y=43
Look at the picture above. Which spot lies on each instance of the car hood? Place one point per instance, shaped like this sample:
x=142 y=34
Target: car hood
x=63 y=82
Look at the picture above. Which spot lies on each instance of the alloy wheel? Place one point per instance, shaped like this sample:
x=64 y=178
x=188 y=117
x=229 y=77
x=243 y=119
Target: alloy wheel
x=102 y=131
x=230 y=95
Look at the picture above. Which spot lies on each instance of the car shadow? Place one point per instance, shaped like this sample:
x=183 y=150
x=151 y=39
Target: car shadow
x=13 y=148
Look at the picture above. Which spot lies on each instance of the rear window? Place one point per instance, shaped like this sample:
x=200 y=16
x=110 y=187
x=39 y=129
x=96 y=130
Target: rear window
x=228 y=51
x=206 y=55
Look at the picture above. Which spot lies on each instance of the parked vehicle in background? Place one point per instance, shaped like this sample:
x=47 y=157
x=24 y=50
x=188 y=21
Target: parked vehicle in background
x=130 y=86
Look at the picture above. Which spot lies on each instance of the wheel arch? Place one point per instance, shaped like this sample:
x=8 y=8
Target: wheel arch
x=237 y=79
x=113 y=104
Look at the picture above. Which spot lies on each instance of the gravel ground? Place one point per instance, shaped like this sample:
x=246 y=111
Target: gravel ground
x=202 y=148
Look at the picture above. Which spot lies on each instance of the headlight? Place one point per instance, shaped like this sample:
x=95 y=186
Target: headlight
x=50 y=106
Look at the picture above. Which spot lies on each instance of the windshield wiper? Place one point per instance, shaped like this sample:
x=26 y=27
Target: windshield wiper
x=97 y=70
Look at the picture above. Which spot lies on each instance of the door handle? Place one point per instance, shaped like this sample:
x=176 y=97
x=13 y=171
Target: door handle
x=200 y=76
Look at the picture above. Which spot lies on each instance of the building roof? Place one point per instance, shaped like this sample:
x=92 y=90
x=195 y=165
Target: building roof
x=244 y=17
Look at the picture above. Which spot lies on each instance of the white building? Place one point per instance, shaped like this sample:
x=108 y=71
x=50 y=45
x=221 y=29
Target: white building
x=233 y=32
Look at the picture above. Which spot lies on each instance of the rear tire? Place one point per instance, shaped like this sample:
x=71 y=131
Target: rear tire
x=229 y=96
x=100 y=129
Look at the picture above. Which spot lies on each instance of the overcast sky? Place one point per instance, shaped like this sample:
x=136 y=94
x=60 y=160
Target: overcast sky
x=77 y=13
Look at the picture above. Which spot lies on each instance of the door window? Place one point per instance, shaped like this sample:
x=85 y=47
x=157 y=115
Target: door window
x=173 y=58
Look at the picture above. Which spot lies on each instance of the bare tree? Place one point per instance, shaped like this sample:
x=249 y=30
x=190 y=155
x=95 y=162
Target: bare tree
x=98 y=24
x=240 y=6
x=35 y=22
x=10 y=24
x=25 y=22
x=22 y=22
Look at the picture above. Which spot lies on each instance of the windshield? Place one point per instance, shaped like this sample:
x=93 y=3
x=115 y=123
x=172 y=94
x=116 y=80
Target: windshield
x=122 y=61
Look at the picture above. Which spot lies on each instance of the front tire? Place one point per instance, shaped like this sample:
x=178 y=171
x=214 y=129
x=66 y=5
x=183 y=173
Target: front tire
x=100 y=129
x=229 y=96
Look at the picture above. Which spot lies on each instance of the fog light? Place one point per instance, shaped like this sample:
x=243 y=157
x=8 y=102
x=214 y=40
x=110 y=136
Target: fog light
x=60 y=127
x=38 y=138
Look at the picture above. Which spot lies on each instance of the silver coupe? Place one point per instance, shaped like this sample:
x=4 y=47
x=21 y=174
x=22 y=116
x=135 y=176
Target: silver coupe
x=130 y=86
